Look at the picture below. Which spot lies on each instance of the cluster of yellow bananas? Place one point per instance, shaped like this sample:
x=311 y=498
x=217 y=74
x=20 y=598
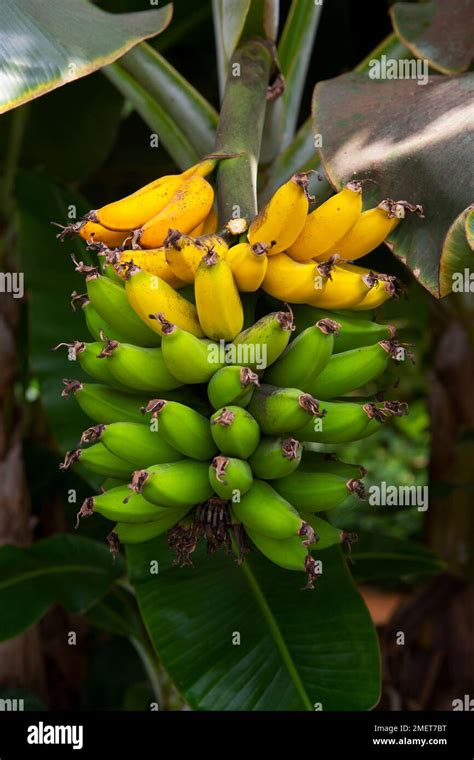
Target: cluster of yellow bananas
x=167 y=229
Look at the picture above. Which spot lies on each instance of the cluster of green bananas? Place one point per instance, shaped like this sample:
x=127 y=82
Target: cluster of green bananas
x=206 y=416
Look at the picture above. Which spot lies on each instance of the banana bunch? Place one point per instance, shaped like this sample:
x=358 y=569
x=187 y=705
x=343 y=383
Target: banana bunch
x=205 y=409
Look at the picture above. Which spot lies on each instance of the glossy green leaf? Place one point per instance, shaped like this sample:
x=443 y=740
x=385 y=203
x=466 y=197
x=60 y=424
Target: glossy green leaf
x=294 y=54
x=438 y=31
x=457 y=256
x=196 y=118
x=370 y=128
x=49 y=280
x=169 y=131
x=47 y=44
x=380 y=558
x=296 y=648
x=64 y=569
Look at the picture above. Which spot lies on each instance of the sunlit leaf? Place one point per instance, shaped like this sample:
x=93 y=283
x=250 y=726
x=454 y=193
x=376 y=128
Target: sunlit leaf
x=370 y=128
x=44 y=45
x=439 y=31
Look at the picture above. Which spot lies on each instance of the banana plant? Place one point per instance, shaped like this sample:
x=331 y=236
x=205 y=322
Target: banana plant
x=241 y=637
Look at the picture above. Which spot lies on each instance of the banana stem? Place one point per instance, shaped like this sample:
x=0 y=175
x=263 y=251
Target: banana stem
x=240 y=129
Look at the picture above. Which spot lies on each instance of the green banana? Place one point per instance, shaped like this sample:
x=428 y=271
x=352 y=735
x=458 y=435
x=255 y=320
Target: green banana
x=232 y=385
x=262 y=343
x=317 y=491
x=341 y=422
x=229 y=476
x=111 y=303
x=355 y=331
x=108 y=260
x=328 y=535
x=133 y=442
x=94 y=322
x=263 y=509
x=190 y=359
x=138 y=533
x=98 y=459
x=103 y=404
x=174 y=484
x=282 y=410
x=235 y=432
x=289 y=553
x=87 y=356
x=349 y=370
x=276 y=457
x=305 y=357
x=138 y=368
x=314 y=461
x=111 y=506
x=183 y=428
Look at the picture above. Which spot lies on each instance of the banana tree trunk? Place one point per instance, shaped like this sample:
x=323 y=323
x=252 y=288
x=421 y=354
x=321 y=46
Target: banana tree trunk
x=240 y=129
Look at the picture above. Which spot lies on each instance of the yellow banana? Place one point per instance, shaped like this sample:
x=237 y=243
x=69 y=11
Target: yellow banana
x=149 y=295
x=183 y=255
x=210 y=223
x=207 y=226
x=189 y=205
x=281 y=221
x=249 y=265
x=371 y=229
x=217 y=299
x=197 y=230
x=152 y=261
x=213 y=242
x=328 y=224
x=326 y=285
x=385 y=288
x=134 y=210
x=96 y=233
x=202 y=169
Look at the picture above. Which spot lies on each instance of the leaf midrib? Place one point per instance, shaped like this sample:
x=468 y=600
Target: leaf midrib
x=10 y=582
x=277 y=635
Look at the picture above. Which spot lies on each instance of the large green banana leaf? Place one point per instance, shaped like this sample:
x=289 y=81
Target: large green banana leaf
x=44 y=45
x=247 y=638
x=71 y=570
